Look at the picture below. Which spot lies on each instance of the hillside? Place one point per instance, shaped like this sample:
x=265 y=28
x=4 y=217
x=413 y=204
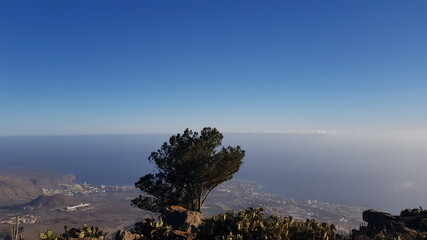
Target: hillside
x=54 y=201
x=16 y=190
x=18 y=186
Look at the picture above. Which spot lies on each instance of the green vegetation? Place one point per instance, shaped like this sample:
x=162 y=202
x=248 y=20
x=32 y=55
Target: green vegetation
x=245 y=225
x=413 y=212
x=152 y=229
x=419 y=216
x=84 y=232
x=251 y=224
x=189 y=167
x=50 y=235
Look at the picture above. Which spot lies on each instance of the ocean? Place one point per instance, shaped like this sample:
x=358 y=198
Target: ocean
x=342 y=169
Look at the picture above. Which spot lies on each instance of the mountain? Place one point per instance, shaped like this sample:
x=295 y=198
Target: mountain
x=54 y=201
x=15 y=190
x=20 y=186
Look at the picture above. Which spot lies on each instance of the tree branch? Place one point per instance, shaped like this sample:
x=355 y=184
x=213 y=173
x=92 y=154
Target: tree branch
x=206 y=196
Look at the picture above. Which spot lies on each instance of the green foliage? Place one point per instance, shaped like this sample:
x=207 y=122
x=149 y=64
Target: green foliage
x=189 y=167
x=244 y=225
x=251 y=224
x=84 y=232
x=419 y=223
x=413 y=212
x=50 y=235
x=149 y=228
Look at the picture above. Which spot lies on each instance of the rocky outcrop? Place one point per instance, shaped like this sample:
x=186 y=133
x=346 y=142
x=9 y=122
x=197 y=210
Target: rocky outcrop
x=381 y=222
x=87 y=238
x=177 y=223
x=127 y=235
x=182 y=219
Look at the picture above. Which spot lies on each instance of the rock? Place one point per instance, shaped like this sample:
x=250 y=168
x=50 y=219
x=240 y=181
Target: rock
x=87 y=238
x=126 y=235
x=180 y=235
x=372 y=215
x=383 y=222
x=182 y=219
x=179 y=224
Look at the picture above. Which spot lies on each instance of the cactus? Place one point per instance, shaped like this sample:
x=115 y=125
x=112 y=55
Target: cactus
x=50 y=235
x=84 y=232
x=251 y=224
x=152 y=229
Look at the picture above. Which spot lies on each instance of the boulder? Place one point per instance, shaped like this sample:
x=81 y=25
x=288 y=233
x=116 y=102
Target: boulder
x=87 y=238
x=383 y=222
x=180 y=235
x=373 y=215
x=126 y=235
x=182 y=219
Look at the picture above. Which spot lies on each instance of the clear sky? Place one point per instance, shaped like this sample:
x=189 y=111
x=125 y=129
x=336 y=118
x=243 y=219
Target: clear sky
x=100 y=66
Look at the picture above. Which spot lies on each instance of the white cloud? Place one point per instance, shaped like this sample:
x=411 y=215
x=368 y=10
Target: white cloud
x=408 y=184
x=311 y=132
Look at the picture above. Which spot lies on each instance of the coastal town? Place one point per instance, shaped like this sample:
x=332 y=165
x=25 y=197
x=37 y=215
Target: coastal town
x=83 y=189
x=84 y=203
x=240 y=194
x=25 y=219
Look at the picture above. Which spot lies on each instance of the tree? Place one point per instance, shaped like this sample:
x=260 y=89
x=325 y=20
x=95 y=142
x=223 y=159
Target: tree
x=189 y=167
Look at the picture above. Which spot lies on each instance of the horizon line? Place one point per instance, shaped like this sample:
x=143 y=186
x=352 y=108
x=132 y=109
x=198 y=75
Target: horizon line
x=285 y=132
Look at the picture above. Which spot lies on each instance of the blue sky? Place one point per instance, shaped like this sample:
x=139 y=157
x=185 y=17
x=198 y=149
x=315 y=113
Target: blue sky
x=101 y=67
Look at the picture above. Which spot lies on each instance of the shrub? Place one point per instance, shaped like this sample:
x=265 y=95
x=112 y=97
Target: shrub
x=251 y=224
x=149 y=228
x=413 y=212
x=84 y=232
